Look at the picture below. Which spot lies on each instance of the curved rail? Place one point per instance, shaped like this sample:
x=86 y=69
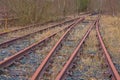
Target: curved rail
x=21 y=37
x=41 y=68
x=21 y=53
x=115 y=74
x=70 y=60
x=108 y=58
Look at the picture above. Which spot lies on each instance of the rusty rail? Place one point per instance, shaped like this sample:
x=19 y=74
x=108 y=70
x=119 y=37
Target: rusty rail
x=35 y=25
x=23 y=52
x=21 y=37
x=61 y=75
x=41 y=68
x=106 y=54
x=115 y=74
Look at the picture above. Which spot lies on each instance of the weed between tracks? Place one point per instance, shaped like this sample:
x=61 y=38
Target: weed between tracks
x=91 y=18
x=47 y=33
x=90 y=65
x=29 y=30
x=19 y=33
x=24 y=69
x=12 y=35
x=19 y=45
x=10 y=28
x=64 y=53
x=110 y=30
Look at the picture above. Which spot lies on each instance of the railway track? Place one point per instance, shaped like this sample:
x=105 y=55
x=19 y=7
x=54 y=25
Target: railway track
x=56 y=58
x=106 y=70
x=33 y=57
x=89 y=63
x=11 y=37
x=110 y=34
x=73 y=57
x=27 y=41
x=114 y=72
x=26 y=27
x=20 y=29
x=23 y=68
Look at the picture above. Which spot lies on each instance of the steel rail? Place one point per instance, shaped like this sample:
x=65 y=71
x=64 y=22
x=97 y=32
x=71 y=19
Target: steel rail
x=43 y=65
x=25 y=27
x=61 y=74
x=32 y=26
x=23 y=52
x=21 y=37
x=106 y=54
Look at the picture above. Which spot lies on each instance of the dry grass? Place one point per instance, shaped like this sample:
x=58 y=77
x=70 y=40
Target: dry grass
x=90 y=18
x=110 y=29
x=20 y=33
x=64 y=53
x=48 y=32
x=45 y=49
x=29 y=30
x=91 y=43
x=11 y=28
x=27 y=67
x=89 y=64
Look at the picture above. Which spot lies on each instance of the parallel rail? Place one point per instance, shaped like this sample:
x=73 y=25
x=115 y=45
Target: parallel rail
x=21 y=37
x=44 y=64
x=61 y=75
x=115 y=74
x=23 y=52
x=26 y=27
